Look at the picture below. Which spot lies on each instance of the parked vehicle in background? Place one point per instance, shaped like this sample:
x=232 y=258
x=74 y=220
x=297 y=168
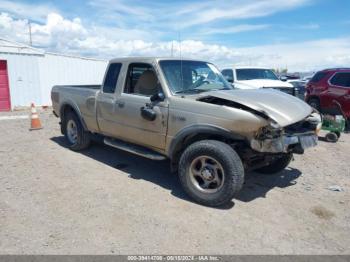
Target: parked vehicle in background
x=327 y=86
x=307 y=78
x=185 y=111
x=299 y=88
x=289 y=77
x=255 y=78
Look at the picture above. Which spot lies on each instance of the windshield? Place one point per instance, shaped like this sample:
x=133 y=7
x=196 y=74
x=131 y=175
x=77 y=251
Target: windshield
x=255 y=73
x=192 y=76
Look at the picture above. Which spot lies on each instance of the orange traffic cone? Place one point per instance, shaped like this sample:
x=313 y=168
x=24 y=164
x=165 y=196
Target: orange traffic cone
x=35 y=120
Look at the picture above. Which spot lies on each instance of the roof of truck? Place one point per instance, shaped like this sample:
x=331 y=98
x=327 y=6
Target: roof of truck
x=149 y=59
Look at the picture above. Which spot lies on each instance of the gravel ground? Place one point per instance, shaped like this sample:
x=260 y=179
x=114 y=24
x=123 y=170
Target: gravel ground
x=105 y=201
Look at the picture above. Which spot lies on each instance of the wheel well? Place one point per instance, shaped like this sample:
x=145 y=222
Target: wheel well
x=192 y=138
x=313 y=97
x=65 y=110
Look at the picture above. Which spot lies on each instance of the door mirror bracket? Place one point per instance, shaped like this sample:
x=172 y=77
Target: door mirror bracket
x=158 y=97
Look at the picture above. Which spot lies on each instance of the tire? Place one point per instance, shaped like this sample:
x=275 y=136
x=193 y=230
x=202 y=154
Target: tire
x=337 y=133
x=277 y=165
x=220 y=159
x=82 y=140
x=331 y=137
x=315 y=103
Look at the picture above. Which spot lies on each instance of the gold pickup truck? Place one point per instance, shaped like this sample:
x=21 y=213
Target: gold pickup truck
x=184 y=110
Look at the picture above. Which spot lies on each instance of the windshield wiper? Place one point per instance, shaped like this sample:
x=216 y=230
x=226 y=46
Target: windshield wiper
x=198 y=90
x=189 y=91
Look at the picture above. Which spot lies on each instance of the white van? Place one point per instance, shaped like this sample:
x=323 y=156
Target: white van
x=249 y=77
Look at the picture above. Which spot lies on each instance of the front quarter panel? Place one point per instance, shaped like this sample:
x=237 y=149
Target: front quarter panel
x=184 y=113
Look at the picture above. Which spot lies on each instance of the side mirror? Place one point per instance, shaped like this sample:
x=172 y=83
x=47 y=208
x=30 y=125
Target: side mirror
x=148 y=113
x=283 y=78
x=159 y=97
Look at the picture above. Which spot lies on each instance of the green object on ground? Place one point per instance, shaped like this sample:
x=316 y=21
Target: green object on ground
x=333 y=123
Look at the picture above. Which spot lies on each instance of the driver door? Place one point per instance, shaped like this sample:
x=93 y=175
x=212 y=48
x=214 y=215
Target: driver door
x=141 y=82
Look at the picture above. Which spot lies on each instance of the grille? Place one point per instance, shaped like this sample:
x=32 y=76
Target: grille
x=301 y=127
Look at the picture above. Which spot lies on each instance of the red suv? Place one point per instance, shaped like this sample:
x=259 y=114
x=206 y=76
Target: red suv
x=328 y=86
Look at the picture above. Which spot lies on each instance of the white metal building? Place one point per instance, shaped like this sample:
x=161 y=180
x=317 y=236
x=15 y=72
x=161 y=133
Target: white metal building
x=27 y=74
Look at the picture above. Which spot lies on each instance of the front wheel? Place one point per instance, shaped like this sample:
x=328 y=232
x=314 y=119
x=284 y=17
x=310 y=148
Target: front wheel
x=76 y=136
x=211 y=172
x=276 y=165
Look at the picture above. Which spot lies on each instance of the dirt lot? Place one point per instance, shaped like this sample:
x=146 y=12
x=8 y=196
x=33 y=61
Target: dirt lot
x=55 y=201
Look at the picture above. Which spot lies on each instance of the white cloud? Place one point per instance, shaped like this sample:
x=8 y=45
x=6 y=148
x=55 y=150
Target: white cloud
x=223 y=10
x=72 y=36
x=303 y=56
x=28 y=11
x=13 y=29
x=181 y=15
x=234 y=29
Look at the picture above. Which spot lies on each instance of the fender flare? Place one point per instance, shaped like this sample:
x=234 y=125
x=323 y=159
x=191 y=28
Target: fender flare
x=75 y=109
x=198 y=129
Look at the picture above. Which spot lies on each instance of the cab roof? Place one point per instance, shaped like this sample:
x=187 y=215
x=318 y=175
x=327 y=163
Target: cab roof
x=150 y=59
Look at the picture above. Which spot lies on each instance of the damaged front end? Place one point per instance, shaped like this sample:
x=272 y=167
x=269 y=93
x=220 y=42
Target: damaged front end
x=290 y=139
x=285 y=131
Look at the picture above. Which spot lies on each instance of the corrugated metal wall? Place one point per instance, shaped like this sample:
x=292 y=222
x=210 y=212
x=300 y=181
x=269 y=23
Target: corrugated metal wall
x=63 y=70
x=31 y=76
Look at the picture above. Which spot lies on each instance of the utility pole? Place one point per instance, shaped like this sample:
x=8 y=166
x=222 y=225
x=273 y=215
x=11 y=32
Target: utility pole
x=30 y=33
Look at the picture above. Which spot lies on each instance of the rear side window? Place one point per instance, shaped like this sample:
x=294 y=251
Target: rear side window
x=318 y=76
x=341 y=79
x=112 y=78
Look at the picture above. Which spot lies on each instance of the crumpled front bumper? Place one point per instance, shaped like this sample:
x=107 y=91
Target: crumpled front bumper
x=285 y=143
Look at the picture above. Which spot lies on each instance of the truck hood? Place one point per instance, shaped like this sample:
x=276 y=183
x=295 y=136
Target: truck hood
x=261 y=83
x=284 y=109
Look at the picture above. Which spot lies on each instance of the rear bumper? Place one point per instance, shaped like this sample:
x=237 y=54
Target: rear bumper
x=285 y=144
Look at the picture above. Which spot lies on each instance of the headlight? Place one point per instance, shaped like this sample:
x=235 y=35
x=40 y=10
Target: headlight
x=318 y=128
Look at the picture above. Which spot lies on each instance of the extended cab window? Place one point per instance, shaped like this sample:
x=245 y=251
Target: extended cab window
x=341 y=79
x=141 y=80
x=112 y=78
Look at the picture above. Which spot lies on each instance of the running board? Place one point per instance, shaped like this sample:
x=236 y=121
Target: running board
x=134 y=149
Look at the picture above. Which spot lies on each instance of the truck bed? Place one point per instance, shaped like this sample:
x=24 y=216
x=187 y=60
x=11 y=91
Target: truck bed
x=80 y=86
x=84 y=97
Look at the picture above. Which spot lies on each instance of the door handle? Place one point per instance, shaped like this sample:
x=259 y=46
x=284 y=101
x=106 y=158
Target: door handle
x=120 y=104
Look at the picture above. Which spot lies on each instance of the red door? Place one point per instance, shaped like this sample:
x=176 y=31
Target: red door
x=5 y=104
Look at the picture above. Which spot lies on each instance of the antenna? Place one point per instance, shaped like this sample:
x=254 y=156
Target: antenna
x=181 y=74
x=30 y=33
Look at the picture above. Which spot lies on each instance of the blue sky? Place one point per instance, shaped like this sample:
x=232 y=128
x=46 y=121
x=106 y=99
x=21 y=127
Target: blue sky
x=298 y=34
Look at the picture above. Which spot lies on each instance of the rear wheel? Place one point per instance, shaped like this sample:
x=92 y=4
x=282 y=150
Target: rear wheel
x=211 y=172
x=76 y=136
x=276 y=165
